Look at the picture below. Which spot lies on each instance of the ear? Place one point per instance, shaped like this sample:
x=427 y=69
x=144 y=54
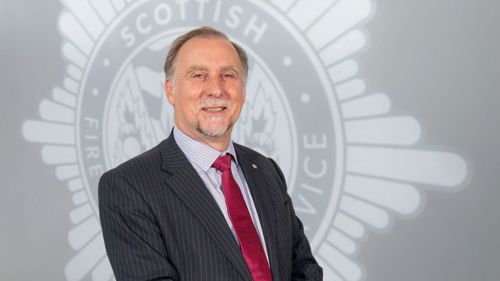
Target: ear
x=169 y=91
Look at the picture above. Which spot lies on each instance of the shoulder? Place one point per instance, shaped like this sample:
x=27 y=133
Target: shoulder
x=138 y=169
x=139 y=177
x=147 y=159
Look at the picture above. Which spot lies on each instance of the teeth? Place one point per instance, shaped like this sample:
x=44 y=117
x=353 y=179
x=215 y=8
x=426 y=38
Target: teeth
x=214 y=109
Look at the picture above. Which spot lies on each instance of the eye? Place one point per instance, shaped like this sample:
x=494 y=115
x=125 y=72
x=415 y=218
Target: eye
x=198 y=75
x=228 y=76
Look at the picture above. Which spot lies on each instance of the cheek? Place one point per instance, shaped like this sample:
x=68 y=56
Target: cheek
x=236 y=110
x=188 y=101
x=237 y=94
x=187 y=108
x=240 y=100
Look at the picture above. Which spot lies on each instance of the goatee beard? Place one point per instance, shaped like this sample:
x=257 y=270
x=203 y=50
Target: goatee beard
x=212 y=133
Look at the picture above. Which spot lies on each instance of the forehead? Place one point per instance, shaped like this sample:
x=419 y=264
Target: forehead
x=212 y=52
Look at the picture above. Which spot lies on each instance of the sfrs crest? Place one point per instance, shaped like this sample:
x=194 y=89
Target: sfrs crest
x=349 y=163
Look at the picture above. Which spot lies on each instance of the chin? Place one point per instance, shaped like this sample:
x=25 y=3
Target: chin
x=214 y=131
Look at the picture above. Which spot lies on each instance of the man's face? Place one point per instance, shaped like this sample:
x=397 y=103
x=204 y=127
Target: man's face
x=209 y=89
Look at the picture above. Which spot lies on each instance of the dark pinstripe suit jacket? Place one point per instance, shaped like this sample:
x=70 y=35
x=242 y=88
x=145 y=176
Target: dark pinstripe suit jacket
x=160 y=222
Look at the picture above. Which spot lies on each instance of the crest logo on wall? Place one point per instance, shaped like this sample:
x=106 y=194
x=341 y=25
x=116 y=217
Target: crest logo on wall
x=350 y=164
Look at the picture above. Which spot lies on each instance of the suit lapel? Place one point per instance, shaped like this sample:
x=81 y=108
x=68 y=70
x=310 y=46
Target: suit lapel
x=259 y=188
x=186 y=183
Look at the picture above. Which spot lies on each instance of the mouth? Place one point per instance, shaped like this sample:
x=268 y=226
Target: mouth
x=214 y=109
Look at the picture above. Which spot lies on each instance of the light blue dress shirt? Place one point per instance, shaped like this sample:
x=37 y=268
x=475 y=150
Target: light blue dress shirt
x=202 y=156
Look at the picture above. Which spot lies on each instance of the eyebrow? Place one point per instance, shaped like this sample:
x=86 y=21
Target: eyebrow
x=204 y=68
x=230 y=67
x=196 y=67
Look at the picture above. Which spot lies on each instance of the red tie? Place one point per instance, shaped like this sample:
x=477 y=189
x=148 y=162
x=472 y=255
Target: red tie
x=250 y=244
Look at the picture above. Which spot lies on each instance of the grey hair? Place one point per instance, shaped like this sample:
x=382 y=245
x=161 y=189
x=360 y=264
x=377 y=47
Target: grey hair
x=204 y=32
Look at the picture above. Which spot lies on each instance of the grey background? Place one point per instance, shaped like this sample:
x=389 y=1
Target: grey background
x=438 y=61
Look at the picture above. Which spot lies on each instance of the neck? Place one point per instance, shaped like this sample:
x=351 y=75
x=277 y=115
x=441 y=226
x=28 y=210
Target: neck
x=215 y=142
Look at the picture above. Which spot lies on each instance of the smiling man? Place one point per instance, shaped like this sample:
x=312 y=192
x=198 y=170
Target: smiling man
x=206 y=89
x=198 y=206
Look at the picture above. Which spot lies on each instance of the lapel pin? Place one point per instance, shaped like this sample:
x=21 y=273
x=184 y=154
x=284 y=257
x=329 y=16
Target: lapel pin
x=254 y=166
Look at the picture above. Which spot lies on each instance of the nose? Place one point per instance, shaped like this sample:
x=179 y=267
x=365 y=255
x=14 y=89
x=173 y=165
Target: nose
x=214 y=87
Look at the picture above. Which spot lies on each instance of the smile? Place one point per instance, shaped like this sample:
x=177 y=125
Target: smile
x=214 y=109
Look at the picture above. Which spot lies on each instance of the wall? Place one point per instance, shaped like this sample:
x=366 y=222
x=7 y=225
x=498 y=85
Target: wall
x=382 y=115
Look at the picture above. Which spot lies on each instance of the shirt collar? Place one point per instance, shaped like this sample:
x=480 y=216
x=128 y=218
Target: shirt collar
x=201 y=154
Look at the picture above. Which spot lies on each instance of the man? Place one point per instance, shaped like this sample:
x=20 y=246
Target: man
x=198 y=206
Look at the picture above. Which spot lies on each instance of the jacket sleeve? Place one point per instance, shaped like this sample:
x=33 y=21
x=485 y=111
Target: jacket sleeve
x=132 y=238
x=304 y=265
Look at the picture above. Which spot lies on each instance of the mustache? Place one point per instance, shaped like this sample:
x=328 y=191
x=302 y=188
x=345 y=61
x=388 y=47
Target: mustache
x=213 y=102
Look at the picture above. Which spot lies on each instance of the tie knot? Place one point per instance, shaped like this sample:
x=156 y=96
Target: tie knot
x=223 y=163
